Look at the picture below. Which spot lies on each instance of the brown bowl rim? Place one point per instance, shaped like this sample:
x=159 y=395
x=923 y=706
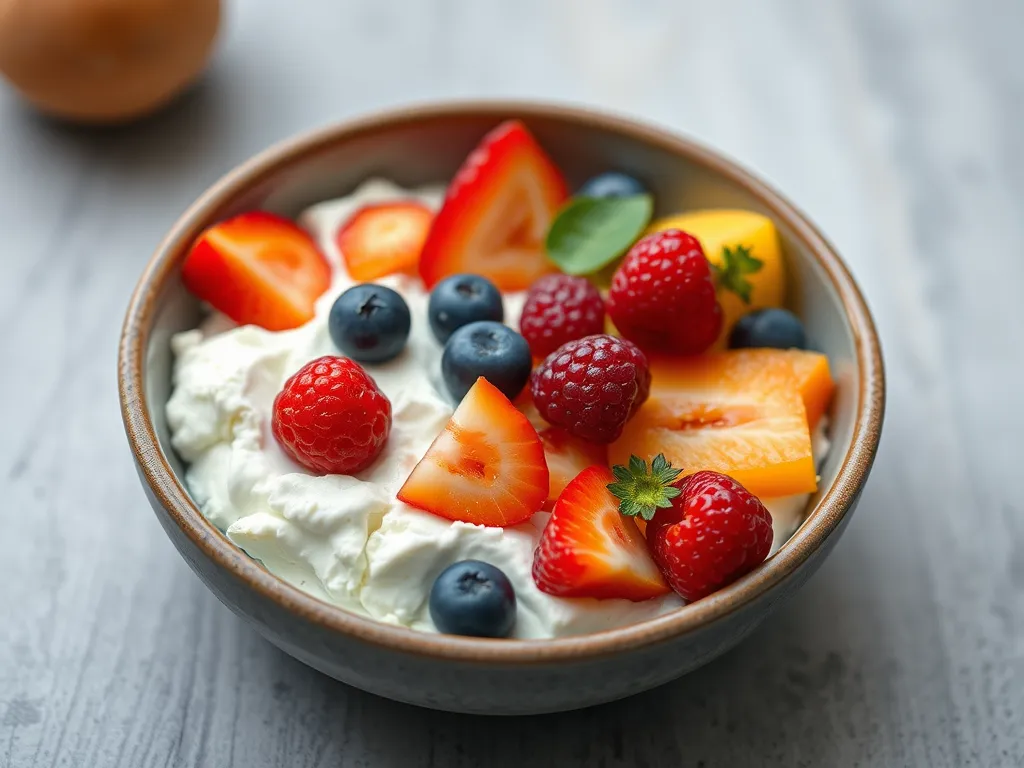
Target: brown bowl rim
x=825 y=518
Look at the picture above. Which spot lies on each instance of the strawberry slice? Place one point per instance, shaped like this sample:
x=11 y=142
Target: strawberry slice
x=496 y=213
x=382 y=239
x=588 y=549
x=258 y=268
x=566 y=457
x=487 y=466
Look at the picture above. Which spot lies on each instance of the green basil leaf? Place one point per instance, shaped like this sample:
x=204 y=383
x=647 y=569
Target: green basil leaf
x=590 y=232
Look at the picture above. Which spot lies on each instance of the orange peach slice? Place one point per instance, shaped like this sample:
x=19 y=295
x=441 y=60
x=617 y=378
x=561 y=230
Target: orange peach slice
x=743 y=413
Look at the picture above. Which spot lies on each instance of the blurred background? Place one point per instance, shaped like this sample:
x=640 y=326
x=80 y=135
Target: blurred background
x=895 y=124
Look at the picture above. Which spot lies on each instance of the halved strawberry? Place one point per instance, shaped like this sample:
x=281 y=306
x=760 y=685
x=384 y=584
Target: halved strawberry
x=385 y=238
x=487 y=467
x=567 y=456
x=258 y=268
x=496 y=213
x=588 y=549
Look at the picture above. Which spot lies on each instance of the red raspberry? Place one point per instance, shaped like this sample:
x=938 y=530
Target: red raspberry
x=713 y=533
x=590 y=387
x=560 y=308
x=663 y=297
x=331 y=418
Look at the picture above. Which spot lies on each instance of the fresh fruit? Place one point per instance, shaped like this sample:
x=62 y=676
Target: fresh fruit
x=704 y=531
x=473 y=598
x=370 y=323
x=588 y=549
x=774 y=328
x=715 y=533
x=496 y=213
x=741 y=413
x=731 y=239
x=807 y=372
x=589 y=233
x=105 y=61
x=384 y=238
x=560 y=308
x=258 y=268
x=662 y=296
x=590 y=387
x=460 y=300
x=487 y=349
x=566 y=457
x=331 y=418
x=487 y=467
x=611 y=184
x=813 y=379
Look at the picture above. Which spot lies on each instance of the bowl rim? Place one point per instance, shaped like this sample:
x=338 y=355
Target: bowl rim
x=155 y=470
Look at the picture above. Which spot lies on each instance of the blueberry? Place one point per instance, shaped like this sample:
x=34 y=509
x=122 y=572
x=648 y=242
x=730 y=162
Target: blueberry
x=612 y=184
x=460 y=300
x=473 y=598
x=487 y=349
x=369 y=323
x=776 y=328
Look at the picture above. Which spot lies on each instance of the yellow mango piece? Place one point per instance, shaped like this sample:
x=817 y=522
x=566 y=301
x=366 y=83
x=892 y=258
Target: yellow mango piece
x=719 y=229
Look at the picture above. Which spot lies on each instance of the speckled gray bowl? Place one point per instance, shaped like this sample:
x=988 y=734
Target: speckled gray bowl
x=419 y=145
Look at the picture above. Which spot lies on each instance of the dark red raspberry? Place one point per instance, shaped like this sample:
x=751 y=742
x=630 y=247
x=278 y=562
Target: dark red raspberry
x=590 y=387
x=560 y=308
x=663 y=296
x=715 y=532
x=331 y=418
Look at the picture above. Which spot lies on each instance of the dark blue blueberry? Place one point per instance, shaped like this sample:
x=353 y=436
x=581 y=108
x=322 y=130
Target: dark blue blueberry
x=460 y=300
x=369 y=323
x=776 y=328
x=473 y=598
x=487 y=349
x=612 y=184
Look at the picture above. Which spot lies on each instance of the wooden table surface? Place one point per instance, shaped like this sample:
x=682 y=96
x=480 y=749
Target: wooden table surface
x=896 y=124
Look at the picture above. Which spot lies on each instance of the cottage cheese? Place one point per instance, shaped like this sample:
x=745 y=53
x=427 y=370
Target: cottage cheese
x=348 y=540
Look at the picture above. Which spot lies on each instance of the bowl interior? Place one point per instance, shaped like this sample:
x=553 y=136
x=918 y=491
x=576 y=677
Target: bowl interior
x=421 y=147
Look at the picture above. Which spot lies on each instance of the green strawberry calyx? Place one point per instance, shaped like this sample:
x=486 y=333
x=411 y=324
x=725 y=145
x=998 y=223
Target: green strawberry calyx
x=736 y=264
x=641 y=490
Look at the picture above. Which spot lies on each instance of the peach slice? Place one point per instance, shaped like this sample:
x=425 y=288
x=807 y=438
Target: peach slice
x=743 y=413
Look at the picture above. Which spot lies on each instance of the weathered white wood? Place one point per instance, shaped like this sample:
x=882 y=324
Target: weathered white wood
x=895 y=123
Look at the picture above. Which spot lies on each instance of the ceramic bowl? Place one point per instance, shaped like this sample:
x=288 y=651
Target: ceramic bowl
x=419 y=145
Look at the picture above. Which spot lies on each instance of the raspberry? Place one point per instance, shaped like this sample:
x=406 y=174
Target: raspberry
x=713 y=533
x=663 y=297
x=331 y=418
x=560 y=308
x=590 y=387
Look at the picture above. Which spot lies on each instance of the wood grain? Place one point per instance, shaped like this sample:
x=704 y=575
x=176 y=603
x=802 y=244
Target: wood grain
x=894 y=123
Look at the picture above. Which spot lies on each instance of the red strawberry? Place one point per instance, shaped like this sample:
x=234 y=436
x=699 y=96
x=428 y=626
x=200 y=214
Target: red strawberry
x=258 y=268
x=487 y=467
x=560 y=308
x=496 y=213
x=381 y=239
x=589 y=550
x=331 y=418
x=704 y=531
x=591 y=386
x=663 y=296
x=566 y=457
